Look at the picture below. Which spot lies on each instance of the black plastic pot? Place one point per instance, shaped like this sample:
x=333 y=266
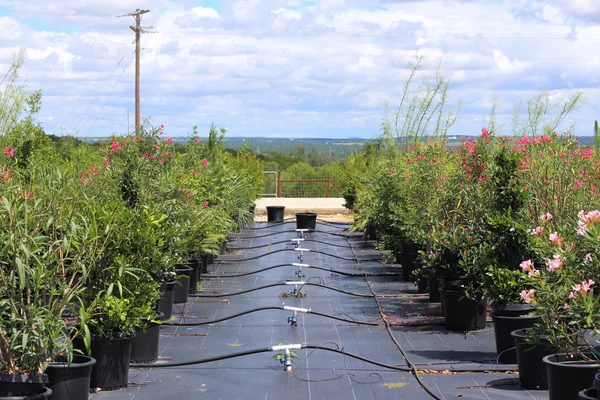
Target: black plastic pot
x=223 y=248
x=511 y=310
x=46 y=393
x=210 y=259
x=17 y=386
x=306 y=221
x=275 y=213
x=533 y=373
x=434 y=290
x=370 y=232
x=567 y=375
x=422 y=285
x=503 y=327
x=70 y=381
x=462 y=313
x=252 y=209
x=589 y=394
x=194 y=264
x=165 y=303
x=453 y=284
x=144 y=348
x=112 y=361
x=203 y=265
x=182 y=288
x=407 y=257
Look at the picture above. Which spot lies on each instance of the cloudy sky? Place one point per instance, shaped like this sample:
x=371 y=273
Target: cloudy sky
x=297 y=68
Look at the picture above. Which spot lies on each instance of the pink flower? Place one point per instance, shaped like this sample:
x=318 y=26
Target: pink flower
x=390 y=171
x=420 y=158
x=537 y=231
x=587 y=258
x=586 y=286
x=556 y=239
x=169 y=140
x=566 y=307
x=555 y=264
x=195 y=172
x=528 y=296
x=484 y=132
x=533 y=273
x=106 y=163
x=114 y=146
x=546 y=217
x=577 y=184
x=196 y=140
x=205 y=204
x=204 y=163
x=10 y=152
x=526 y=266
x=482 y=178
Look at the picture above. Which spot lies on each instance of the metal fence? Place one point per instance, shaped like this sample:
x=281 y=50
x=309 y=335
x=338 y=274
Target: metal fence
x=275 y=186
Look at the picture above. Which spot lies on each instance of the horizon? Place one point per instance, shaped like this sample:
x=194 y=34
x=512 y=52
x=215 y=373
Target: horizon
x=258 y=68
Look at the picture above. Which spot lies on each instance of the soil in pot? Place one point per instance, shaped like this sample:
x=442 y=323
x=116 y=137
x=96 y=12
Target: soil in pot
x=167 y=297
x=462 y=313
x=568 y=375
x=182 y=288
x=275 y=213
x=70 y=381
x=144 y=348
x=503 y=326
x=434 y=290
x=532 y=370
x=112 y=361
x=306 y=221
x=17 y=385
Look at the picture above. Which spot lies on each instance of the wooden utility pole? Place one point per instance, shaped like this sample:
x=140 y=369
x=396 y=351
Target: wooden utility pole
x=138 y=29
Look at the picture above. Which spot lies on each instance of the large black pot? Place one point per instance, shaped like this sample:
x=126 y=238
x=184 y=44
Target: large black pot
x=112 y=361
x=275 y=213
x=422 y=285
x=203 y=266
x=434 y=290
x=532 y=370
x=210 y=259
x=407 y=256
x=194 y=264
x=167 y=297
x=306 y=221
x=223 y=248
x=182 y=288
x=252 y=210
x=567 y=376
x=17 y=386
x=144 y=348
x=370 y=232
x=503 y=326
x=70 y=381
x=462 y=313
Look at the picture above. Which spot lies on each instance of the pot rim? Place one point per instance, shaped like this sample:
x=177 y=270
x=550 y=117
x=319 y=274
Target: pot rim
x=64 y=364
x=27 y=378
x=183 y=269
x=521 y=317
x=275 y=207
x=575 y=364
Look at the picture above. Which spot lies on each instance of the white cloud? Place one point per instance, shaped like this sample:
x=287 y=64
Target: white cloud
x=284 y=67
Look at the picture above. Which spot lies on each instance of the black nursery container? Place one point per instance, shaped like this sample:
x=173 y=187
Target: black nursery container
x=568 y=376
x=507 y=320
x=434 y=290
x=182 y=288
x=275 y=213
x=306 y=221
x=144 y=348
x=407 y=257
x=17 y=386
x=112 y=356
x=194 y=264
x=533 y=373
x=462 y=313
x=70 y=381
x=167 y=297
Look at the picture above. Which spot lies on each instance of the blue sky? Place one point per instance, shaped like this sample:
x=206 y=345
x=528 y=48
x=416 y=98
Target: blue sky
x=297 y=68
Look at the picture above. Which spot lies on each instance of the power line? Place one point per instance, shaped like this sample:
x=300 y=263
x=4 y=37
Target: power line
x=106 y=101
x=99 y=91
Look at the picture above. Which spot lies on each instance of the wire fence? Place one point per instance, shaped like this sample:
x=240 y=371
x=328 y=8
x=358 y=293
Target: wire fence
x=275 y=186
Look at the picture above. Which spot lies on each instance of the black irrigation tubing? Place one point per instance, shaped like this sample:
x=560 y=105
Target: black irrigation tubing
x=317 y=313
x=268 y=350
x=278 y=284
x=389 y=331
x=333 y=271
x=239 y=260
x=285 y=241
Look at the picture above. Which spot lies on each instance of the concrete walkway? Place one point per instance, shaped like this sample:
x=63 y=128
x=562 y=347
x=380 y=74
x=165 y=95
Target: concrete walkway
x=303 y=204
